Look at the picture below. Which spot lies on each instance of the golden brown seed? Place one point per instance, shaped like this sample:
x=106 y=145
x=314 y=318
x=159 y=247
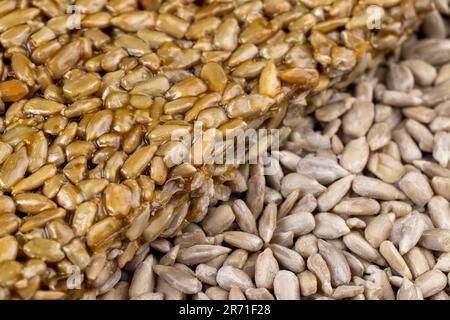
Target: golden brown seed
x=41 y=219
x=8 y=6
x=243 y=53
x=248 y=69
x=10 y=272
x=158 y=170
x=55 y=124
x=37 y=151
x=206 y=101
x=214 y=76
x=179 y=106
x=102 y=231
x=39 y=106
x=212 y=117
x=191 y=86
x=60 y=231
x=52 y=186
x=7 y=205
x=268 y=82
x=138 y=161
x=301 y=77
x=35 y=180
x=158 y=223
x=81 y=107
x=142 y=102
x=8 y=248
x=172 y=25
x=165 y=132
x=81 y=87
x=17 y=17
x=77 y=253
x=117 y=199
x=134 y=46
x=202 y=28
x=226 y=37
x=42 y=36
x=69 y=196
x=43 y=53
x=116 y=100
x=84 y=217
x=246 y=106
x=15 y=36
x=111 y=139
x=34 y=267
x=33 y=203
x=215 y=56
x=49 y=295
x=155 y=86
x=123 y=120
x=92 y=187
x=133 y=139
x=139 y=223
x=134 y=76
x=256 y=32
x=99 y=124
x=30 y=290
x=13 y=90
x=47 y=250
x=153 y=38
x=134 y=20
x=79 y=149
x=65 y=59
x=23 y=68
x=17 y=134
x=5 y=151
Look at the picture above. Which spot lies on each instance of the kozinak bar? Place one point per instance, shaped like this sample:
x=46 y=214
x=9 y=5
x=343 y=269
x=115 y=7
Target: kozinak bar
x=92 y=93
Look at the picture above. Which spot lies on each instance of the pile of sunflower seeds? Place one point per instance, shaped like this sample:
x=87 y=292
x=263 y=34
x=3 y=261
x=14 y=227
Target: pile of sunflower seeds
x=358 y=207
x=88 y=170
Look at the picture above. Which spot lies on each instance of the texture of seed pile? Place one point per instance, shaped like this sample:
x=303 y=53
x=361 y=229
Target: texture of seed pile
x=88 y=172
x=358 y=208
